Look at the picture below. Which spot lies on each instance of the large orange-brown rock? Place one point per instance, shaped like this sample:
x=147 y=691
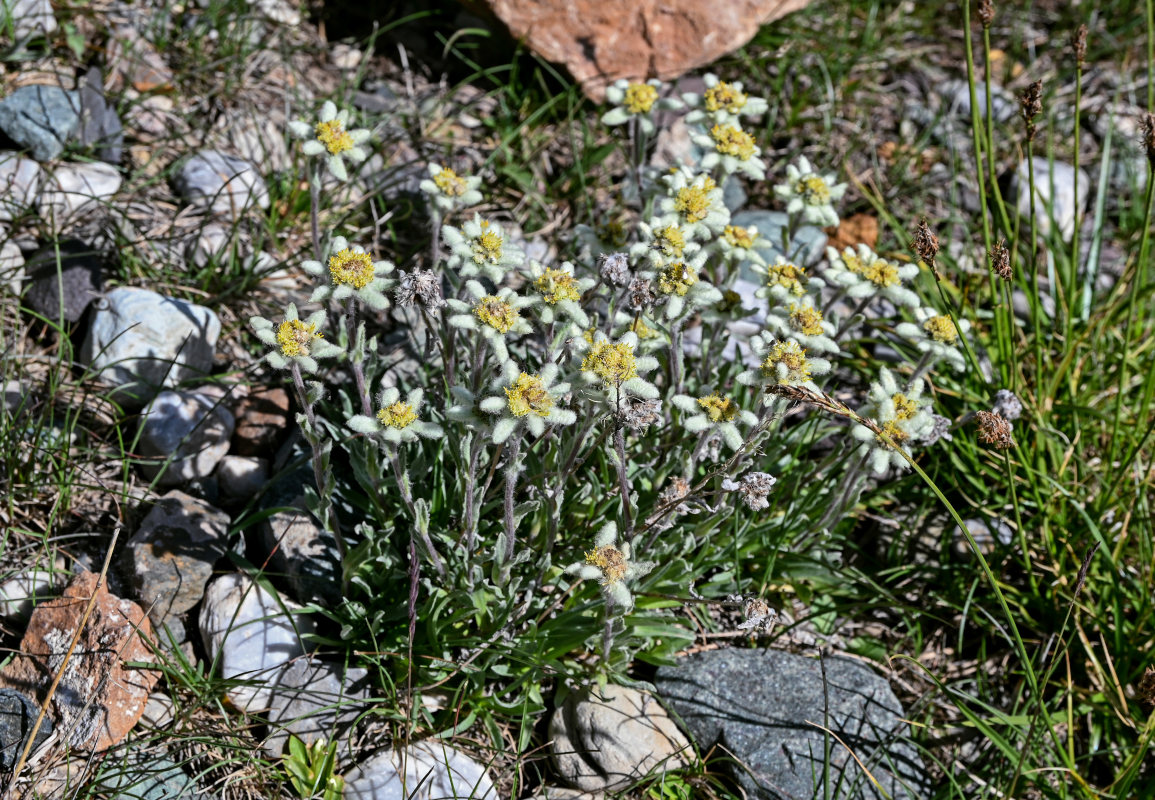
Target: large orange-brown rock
x=98 y=699
x=600 y=41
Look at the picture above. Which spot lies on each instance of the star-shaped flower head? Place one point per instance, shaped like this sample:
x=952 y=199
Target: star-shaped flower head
x=903 y=414
x=492 y=315
x=560 y=293
x=736 y=244
x=937 y=335
x=611 y=565
x=526 y=400
x=449 y=191
x=864 y=273
x=615 y=366
x=397 y=421
x=331 y=137
x=785 y=281
x=716 y=413
x=811 y=194
x=295 y=341
x=694 y=203
x=801 y=320
x=633 y=100
x=782 y=363
x=677 y=283
x=479 y=247
x=722 y=103
x=730 y=149
x=661 y=243
x=350 y=272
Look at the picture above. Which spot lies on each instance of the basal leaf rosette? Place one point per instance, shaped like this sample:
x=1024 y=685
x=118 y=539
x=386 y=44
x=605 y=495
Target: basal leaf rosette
x=350 y=271
x=448 y=191
x=633 y=100
x=936 y=336
x=331 y=137
x=560 y=292
x=812 y=195
x=397 y=421
x=494 y=316
x=693 y=202
x=479 y=247
x=526 y=400
x=722 y=103
x=783 y=362
x=801 y=320
x=613 y=566
x=863 y=273
x=903 y=414
x=294 y=341
x=714 y=413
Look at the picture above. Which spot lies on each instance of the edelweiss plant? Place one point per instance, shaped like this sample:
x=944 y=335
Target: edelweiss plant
x=478 y=248
x=351 y=272
x=331 y=137
x=810 y=194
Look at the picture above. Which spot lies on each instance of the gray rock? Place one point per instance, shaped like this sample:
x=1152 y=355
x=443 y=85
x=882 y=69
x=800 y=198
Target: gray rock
x=68 y=283
x=145 y=775
x=75 y=189
x=183 y=436
x=1124 y=122
x=29 y=17
x=171 y=556
x=208 y=243
x=17 y=716
x=304 y=554
x=225 y=184
x=143 y=341
x=41 y=119
x=807 y=248
x=315 y=700
x=956 y=94
x=985 y=534
x=251 y=634
x=1055 y=201
x=433 y=771
x=11 y=267
x=21 y=592
x=733 y=195
x=760 y=705
x=20 y=180
x=241 y=477
x=609 y=741
x=100 y=125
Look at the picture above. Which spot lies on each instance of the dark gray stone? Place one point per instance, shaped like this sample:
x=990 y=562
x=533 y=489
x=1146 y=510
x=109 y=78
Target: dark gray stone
x=100 y=124
x=41 y=119
x=143 y=775
x=304 y=553
x=225 y=184
x=760 y=705
x=80 y=274
x=17 y=716
x=315 y=700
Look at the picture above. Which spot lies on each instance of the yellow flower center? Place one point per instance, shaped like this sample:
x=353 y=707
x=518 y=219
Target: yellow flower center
x=294 y=337
x=487 y=246
x=806 y=320
x=496 y=313
x=941 y=328
x=793 y=357
x=449 y=183
x=640 y=98
x=677 y=279
x=611 y=561
x=556 y=285
x=351 y=268
x=611 y=362
x=881 y=273
x=732 y=141
x=719 y=409
x=730 y=301
x=642 y=330
x=904 y=407
x=724 y=97
x=896 y=433
x=613 y=233
x=333 y=135
x=398 y=415
x=670 y=241
x=852 y=262
x=788 y=276
x=737 y=236
x=528 y=395
x=693 y=202
x=814 y=190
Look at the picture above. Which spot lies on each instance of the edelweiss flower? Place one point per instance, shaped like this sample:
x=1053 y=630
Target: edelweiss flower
x=693 y=202
x=722 y=103
x=396 y=421
x=714 y=413
x=636 y=101
x=663 y=242
x=296 y=341
x=783 y=363
x=785 y=281
x=736 y=244
x=678 y=283
x=525 y=399
x=493 y=316
x=811 y=194
x=560 y=293
x=352 y=272
x=330 y=136
x=803 y=322
x=615 y=365
x=612 y=566
x=448 y=191
x=479 y=248
x=864 y=273
x=732 y=149
x=903 y=415
x=936 y=335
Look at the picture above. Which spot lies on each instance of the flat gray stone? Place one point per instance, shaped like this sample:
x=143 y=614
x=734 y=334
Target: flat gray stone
x=100 y=125
x=11 y=267
x=315 y=700
x=17 y=716
x=41 y=119
x=63 y=282
x=227 y=185
x=72 y=190
x=760 y=705
x=20 y=180
x=433 y=771
x=304 y=554
x=183 y=436
x=957 y=96
x=142 y=774
x=1055 y=201
x=807 y=248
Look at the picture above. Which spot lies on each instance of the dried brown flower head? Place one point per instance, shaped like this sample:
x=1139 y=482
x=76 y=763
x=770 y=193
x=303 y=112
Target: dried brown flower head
x=1146 y=687
x=1031 y=105
x=422 y=286
x=1079 y=45
x=994 y=430
x=1001 y=260
x=754 y=489
x=637 y=413
x=614 y=269
x=641 y=296
x=1148 y=129
x=986 y=12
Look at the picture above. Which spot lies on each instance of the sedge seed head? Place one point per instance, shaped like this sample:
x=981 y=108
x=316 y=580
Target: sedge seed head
x=994 y=430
